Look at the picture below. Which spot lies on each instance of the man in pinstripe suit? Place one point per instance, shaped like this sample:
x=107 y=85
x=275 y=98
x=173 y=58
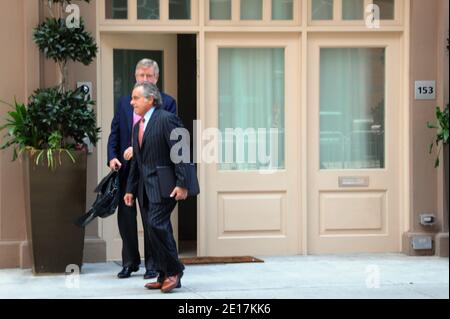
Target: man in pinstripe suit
x=119 y=153
x=151 y=148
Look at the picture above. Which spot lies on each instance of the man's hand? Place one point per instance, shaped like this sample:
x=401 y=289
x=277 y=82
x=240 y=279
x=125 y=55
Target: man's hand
x=128 y=154
x=179 y=193
x=129 y=199
x=114 y=164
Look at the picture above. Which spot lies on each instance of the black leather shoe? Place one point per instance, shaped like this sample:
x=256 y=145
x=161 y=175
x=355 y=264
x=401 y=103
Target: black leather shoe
x=126 y=272
x=149 y=274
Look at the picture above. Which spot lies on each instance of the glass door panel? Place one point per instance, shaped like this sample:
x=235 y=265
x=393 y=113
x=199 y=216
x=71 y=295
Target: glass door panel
x=352 y=89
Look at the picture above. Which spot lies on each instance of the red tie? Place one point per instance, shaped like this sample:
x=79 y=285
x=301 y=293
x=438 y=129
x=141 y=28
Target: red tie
x=141 y=131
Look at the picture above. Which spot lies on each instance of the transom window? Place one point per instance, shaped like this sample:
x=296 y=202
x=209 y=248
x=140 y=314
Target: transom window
x=254 y=12
x=220 y=9
x=116 y=9
x=150 y=10
x=335 y=11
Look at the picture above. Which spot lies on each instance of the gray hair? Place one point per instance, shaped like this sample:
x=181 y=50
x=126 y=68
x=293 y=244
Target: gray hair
x=150 y=90
x=148 y=63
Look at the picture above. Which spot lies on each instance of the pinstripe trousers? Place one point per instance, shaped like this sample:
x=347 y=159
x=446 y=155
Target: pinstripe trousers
x=160 y=233
x=128 y=229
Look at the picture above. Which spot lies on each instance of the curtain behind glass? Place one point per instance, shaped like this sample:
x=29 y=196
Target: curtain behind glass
x=220 y=9
x=282 y=9
x=352 y=108
x=251 y=9
x=322 y=10
x=251 y=95
x=352 y=9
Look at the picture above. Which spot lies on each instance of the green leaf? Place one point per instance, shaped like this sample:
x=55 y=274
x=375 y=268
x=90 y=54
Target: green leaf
x=436 y=163
x=39 y=156
x=442 y=129
x=60 y=43
x=50 y=159
x=70 y=155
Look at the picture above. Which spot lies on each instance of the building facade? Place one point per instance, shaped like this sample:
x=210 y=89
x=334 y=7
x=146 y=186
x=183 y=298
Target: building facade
x=325 y=87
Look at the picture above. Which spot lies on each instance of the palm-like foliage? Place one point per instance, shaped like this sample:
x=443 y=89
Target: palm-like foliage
x=56 y=120
x=19 y=129
x=53 y=122
x=442 y=131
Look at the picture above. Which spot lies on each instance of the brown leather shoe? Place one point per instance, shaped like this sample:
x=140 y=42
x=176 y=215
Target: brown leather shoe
x=158 y=284
x=154 y=285
x=170 y=283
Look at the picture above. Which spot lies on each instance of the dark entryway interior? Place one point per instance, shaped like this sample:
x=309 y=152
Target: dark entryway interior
x=187 y=111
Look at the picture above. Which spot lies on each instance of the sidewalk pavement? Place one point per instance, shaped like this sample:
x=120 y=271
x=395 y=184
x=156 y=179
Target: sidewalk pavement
x=356 y=276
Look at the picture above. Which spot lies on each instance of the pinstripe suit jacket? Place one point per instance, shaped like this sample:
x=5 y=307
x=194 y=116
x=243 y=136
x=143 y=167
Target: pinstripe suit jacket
x=155 y=151
x=122 y=127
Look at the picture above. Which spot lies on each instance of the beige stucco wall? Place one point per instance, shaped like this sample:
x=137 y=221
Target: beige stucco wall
x=446 y=85
x=16 y=80
x=23 y=69
x=443 y=75
x=429 y=27
x=423 y=67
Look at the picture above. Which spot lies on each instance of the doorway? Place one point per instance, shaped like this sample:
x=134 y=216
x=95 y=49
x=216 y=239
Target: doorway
x=353 y=159
x=187 y=111
x=176 y=57
x=251 y=202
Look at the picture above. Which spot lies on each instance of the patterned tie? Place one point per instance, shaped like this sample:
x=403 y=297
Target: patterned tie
x=136 y=118
x=141 y=131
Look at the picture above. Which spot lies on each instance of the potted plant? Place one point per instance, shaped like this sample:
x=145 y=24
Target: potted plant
x=441 y=140
x=49 y=134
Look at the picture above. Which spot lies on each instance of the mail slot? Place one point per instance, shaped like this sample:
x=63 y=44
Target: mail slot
x=353 y=181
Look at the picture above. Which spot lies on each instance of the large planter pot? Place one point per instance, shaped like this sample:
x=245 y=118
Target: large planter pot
x=54 y=199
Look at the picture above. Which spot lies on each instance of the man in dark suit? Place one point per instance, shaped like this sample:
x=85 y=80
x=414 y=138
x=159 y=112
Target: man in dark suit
x=119 y=152
x=152 y=146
